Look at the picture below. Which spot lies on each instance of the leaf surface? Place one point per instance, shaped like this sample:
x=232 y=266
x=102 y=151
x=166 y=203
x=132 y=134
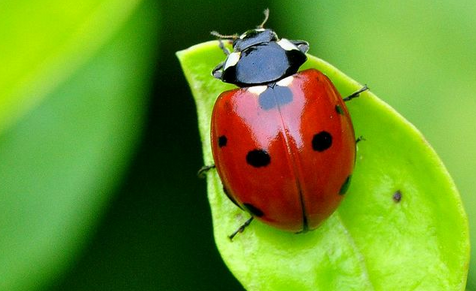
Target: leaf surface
x=372 y=242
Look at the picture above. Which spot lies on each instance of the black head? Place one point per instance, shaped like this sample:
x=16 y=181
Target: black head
x=259 y=57
x=252 y=37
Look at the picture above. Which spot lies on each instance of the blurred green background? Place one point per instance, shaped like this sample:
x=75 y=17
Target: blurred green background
x=98 y=136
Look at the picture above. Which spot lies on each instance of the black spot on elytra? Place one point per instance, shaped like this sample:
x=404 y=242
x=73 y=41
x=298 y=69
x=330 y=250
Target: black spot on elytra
x=253 y=210
x=339 y=109
x=258 y=158
x=275 y=96
x=321 y=141
x=222 y=140
x=345 y=185
x=397 y=196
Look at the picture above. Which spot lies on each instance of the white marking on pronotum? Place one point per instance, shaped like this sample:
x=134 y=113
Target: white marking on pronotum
x=257 y=90
x=256 y=30
x=285 y=82
x=287 y=45
x=232 y=60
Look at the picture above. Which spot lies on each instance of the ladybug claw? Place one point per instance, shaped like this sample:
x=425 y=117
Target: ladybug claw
x=203 y=170
x=217 y=71
x=241 y=228
x=359 y=139
x=356 y=93
x=222 y=47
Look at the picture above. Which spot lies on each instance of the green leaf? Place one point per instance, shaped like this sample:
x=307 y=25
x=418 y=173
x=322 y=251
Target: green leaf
x=371 y=242
x=59 y=162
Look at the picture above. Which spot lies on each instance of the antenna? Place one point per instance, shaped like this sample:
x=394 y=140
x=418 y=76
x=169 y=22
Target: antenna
x=219 y=35
x=266 y=16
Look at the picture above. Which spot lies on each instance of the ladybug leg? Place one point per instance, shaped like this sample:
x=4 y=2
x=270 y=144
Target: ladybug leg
x=203 y=170
x=241 y=228
x=356 y=93
x=222 y=47
x=217 y=71
x=221 y=37
x=359 y=139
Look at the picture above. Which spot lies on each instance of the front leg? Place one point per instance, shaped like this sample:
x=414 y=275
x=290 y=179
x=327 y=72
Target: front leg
x=217 y=71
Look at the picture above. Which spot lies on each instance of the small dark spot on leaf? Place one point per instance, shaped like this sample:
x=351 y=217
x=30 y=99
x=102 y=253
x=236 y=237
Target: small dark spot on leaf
x=397 y=196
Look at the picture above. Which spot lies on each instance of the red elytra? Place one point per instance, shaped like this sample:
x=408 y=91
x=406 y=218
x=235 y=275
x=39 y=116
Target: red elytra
x=285 y=151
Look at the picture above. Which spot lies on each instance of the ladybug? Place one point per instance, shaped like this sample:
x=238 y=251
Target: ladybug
x=283 y=142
